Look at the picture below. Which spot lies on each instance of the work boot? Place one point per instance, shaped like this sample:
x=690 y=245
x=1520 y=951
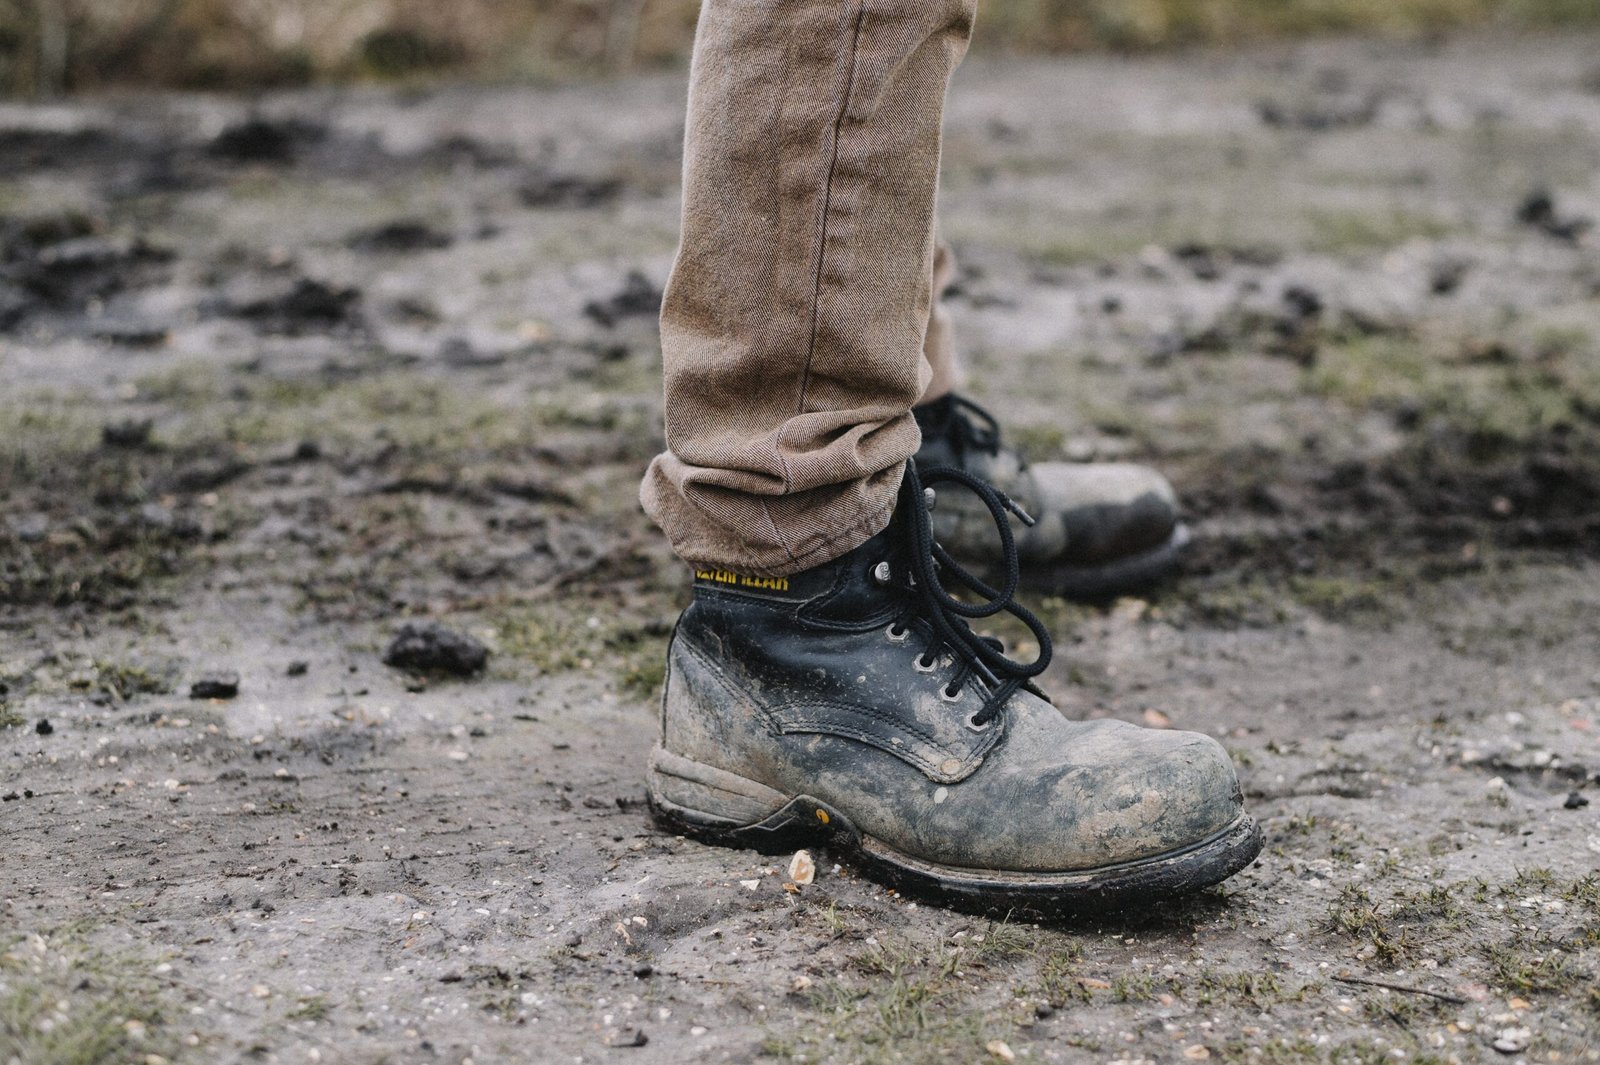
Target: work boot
x=1104 y=528
x=853 y=706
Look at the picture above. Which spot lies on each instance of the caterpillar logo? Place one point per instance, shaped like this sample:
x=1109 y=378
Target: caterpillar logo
x=739 y=580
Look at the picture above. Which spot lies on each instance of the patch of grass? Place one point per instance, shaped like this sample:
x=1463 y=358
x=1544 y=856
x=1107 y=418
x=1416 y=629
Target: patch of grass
x=1516 y=967
x=1500 y=394
x=311 y=1008
x=1346 y=232
x=124 y=680
x=554 y=639
x=1059 y=980
x=1339 y=597
x=903 y=999
x=63 y=1003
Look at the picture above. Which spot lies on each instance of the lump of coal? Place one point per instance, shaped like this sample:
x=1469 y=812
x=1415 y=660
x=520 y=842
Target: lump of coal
x=428 y=647
x=1324 y=112
x=23 y=150
x=550 y=190
x=1538 y=210
x=639 y=298
x=260 y=140
x=218 y=684
x=131 y=433
x=308 y=306
x=70 y=273
x=406 y=234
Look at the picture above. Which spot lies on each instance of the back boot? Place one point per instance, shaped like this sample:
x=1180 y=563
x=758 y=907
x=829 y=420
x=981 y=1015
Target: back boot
x=1104 y=528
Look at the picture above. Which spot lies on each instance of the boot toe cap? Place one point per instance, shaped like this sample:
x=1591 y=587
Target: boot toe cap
x=1109 y=509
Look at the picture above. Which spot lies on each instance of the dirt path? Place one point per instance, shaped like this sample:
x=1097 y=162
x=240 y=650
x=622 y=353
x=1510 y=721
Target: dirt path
x=279 y=378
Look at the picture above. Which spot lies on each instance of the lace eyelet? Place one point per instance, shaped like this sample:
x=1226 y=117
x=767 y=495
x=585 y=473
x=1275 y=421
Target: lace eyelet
x=897 y=633
x=923 y=664
x=972 y=723
x=881 y=573
x=949 y=697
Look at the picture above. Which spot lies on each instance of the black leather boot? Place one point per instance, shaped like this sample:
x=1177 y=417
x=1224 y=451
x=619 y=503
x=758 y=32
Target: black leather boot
x=1104 y=528
x=853 y=706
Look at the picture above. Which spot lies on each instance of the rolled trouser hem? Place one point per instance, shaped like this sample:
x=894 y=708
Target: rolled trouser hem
x=703 y=540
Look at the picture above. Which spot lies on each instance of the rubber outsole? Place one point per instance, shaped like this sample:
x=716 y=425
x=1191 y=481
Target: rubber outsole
x=1108 y=580
x=806 y=822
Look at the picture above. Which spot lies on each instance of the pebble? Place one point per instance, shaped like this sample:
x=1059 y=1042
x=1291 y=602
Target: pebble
x=44 y=728
x=1575 y=801
x=1512 y=1040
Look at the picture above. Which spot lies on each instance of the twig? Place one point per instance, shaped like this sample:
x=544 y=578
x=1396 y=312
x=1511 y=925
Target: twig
x=1440 y=995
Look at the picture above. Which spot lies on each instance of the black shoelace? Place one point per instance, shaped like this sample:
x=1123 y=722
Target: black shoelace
x=932 y=570
x=967 y=426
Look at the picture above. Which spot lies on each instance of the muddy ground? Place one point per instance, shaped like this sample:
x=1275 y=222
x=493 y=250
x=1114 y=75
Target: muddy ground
x=281 y=375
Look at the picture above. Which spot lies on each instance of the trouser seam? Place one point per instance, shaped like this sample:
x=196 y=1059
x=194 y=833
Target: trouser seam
x=827 y=203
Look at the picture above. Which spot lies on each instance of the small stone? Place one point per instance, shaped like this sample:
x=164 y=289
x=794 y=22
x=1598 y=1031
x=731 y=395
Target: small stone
x=1512 y=1040
x=635 y=1038
x=1044 y=1011
x=644 y=970
x=297 y=668
x=802 y=870
x=218 y=684
x=44 y=728
x=999 y=1049
x=30 y=528
x=750 y=885
x=1575 y=801
x=573 y=941
x=1196 y=1052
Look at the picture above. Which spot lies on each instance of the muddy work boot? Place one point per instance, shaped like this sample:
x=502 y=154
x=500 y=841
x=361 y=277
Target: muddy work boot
x=1103 y=529
x=853 y=706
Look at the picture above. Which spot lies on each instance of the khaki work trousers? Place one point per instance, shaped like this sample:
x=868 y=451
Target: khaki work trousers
x=799 y=325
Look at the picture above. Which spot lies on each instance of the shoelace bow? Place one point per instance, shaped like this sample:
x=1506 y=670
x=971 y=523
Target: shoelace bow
x=931 y=568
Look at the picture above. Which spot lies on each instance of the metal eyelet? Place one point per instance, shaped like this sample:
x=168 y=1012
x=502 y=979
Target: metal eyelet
x=897 y=633
x=975 y=727
x=923 y=664
x=882 y=573
x=944 y=693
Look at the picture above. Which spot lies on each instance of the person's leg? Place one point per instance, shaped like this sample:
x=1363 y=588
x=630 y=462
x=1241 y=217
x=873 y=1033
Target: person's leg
x=794 y=320
x=823 y=687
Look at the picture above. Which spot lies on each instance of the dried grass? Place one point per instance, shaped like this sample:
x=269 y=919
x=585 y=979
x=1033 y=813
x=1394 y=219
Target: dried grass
x=50 y=46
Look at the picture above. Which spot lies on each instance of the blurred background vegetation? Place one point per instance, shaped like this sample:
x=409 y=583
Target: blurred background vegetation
x=54 y=46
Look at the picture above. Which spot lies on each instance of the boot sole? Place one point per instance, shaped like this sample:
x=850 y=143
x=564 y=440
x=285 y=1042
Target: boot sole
x=1110 y=579
x=804 y=821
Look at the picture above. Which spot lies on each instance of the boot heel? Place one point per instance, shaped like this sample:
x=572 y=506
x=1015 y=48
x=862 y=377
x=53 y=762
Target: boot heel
x=703 y=802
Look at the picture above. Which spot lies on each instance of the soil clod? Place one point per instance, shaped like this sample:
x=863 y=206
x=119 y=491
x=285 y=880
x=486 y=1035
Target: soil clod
x=429 y=647
x=218 y=684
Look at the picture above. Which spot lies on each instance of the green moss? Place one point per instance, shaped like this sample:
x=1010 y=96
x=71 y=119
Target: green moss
x=64 y=1003
x=1345 y=232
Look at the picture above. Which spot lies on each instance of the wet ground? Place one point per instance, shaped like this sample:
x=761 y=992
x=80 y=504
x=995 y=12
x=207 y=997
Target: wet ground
x=282 y=376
